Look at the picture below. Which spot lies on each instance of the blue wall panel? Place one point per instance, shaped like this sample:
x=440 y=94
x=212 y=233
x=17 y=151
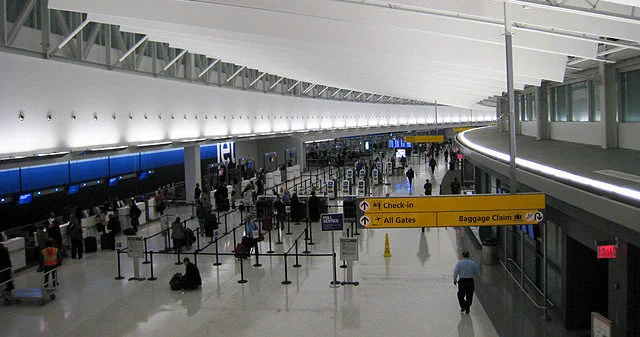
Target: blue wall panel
x=124 y=164
x=150 y=160
x=9 y=181
x=88 y=169
x=43 y=176
x=209 y=151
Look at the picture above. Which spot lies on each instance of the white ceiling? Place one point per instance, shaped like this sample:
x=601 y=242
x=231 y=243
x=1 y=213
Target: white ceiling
x=449 y=51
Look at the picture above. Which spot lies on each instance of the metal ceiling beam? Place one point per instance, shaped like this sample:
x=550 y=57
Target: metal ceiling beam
x=611 y=51
x=369 y=97
x=359 y=95
x=311 y=86
x=293 y=86
x=132 y=49
x=206 y=70
x=323 y=90
x=276 y=83
x=71 y=36
x=335 y=93
x=347 y=94
x=576 y=10
x=257 y=79
x=22 y=18
x=91 y=41
x=175 y=59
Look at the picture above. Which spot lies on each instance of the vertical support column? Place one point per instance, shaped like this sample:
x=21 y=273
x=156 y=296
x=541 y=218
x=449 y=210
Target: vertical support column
x=542 y=112
x=46 y=24
x=107 y=45
x=189 y=68
x=608 y=106
x=191 y=170
x=513 y=186
x=3 y=22
x=154 y=58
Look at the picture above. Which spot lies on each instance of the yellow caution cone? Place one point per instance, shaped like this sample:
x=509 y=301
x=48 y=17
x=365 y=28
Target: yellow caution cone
x=387 y=250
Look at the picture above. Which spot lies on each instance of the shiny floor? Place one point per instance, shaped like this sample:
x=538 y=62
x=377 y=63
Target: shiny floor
x=408 y=294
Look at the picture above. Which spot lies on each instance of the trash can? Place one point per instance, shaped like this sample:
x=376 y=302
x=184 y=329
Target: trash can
x=490 y=252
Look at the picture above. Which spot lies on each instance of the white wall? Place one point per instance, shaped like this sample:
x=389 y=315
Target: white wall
x=576 y=132
x=628 y=136
x=37 y=86
x=528 y=129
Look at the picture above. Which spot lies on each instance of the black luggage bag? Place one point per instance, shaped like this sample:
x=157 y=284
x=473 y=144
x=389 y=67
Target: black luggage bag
x=175 y=283
x=90 y=244
x=107 y=242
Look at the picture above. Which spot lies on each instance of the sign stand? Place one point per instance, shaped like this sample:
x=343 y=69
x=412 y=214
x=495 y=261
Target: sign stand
x=333 y=222
x=349 y=253
x=136 y=252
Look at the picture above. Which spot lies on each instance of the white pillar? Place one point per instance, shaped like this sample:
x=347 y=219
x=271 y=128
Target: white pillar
x=192 y=174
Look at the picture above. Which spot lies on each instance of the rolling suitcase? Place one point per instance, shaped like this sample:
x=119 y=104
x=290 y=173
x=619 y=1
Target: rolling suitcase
x=90 y=244
x=107 y=242
x=267 y=223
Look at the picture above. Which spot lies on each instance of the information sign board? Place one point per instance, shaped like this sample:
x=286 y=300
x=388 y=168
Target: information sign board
x=349 y=249
x=135 y=247
x=332 y=221
x=424 y=139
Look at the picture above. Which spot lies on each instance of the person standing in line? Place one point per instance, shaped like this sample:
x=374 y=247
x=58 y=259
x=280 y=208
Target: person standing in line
x=410 y=174
x=134 y=214
x=455 y=186
x=76 y=238
x=446 y=155
x=463 y=274
x=177 y=234
x=197 y=192
x=5 y=268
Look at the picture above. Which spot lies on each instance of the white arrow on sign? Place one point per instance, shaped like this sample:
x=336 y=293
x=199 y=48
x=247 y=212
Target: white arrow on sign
x=364 y=220
x=364 y=205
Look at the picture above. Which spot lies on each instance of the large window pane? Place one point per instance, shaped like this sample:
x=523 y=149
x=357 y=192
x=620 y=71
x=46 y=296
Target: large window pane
x=579 y=101
x=596 y=101
x=560 y=111
x=531 y=111
x=523 y=107
x=631 y=96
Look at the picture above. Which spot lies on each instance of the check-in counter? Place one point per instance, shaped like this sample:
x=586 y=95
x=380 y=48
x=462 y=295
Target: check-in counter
x=143 y=212
x=277 y=177
x=152 y=213
x=123 y=216
x=89 y=227
x=17 y=252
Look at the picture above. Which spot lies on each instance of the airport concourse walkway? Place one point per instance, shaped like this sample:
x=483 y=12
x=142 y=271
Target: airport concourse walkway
x=408 y=294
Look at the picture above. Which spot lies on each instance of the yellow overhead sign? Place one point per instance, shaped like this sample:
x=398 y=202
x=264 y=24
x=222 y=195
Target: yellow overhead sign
x=452 y=210
x=424 y=139
x=465 y=128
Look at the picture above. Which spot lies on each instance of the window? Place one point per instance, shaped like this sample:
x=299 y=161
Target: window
x=596 y=101
x=531 y=111
x=527 y=107
x=630 y=87
x=559 y=104
x=579 y=101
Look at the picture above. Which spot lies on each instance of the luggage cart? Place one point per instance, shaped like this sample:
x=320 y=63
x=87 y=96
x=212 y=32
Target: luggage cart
x=40 y=294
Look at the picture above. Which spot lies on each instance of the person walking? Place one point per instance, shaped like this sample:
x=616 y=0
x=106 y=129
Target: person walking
x=455 y=186
x=410 y=174
x=432 y=165
x=463 y=274
x=196 y=193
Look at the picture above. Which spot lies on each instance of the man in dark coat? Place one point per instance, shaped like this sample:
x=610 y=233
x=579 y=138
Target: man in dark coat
x=314 y=207
x=191 y=278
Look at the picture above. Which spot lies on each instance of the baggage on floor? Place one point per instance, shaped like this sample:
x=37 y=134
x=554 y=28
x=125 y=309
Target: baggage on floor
x=242 y=250
x=90 y=244
x=107 y=242
x=267 y=223
x=175 y=282
x=130 y=231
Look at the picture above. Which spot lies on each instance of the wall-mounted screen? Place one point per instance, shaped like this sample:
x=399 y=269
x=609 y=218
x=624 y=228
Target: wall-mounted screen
x=144 y=175
x=113 y=181
x=73 y=189
x=24 y=199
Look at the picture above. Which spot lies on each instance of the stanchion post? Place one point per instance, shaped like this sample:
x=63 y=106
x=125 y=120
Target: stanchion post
x=242 y=280
x=152 y=278
x=119 y=277
x=178 y=262
x=145 y=252
x=286 y=274
x=217 y=263
x=226 y=228
x=270 y=251
x=306 y=246
x=355 y=225
x=311 y=243
x=257 y=264
x=335 y=282
x=198 y=238
x=288 y=227
x=279 y=242
x=297 y=265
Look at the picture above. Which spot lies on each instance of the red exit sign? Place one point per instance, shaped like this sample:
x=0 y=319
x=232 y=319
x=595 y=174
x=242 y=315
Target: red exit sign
x=607 y=251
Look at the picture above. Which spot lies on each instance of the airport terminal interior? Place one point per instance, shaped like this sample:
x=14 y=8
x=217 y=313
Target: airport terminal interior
x=324 y=164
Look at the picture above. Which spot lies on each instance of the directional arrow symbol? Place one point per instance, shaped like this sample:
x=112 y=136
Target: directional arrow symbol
x=364 y=220
x=364 y=205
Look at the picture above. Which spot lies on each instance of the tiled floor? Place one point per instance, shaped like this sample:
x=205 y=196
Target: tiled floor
x=408 y=294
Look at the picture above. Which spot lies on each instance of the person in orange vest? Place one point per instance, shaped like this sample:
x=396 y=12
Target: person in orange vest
x=49 y=259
